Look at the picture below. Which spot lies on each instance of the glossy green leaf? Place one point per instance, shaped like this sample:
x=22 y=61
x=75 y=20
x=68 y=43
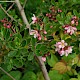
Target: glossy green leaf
x=52 y=60
x=29 y=76
x=12 y=53
x=53 y=77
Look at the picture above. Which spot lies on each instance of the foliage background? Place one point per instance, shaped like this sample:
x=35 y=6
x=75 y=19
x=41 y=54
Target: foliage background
x=17 y=51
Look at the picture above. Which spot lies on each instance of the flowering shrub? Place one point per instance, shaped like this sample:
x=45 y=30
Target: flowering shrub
x=51 y=33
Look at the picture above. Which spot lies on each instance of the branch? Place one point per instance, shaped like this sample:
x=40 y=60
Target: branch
x=7 y=1
x=10 y=7
x=41 y=63
x=21 y=10
x=24 y=3
x=9 y=15
x=43 y=67
x=7 y=73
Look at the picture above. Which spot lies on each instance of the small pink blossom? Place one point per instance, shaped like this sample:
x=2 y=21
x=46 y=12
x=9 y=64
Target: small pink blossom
x=44 y=59
x=51 y=26
x=68 y=50
x=34 y=32
x=61 y=52
x=76 y=23
x=61 y=44
x=34 y=18
x=59 y=10
x=72 y=22
x=45 y=32
x=39 y=38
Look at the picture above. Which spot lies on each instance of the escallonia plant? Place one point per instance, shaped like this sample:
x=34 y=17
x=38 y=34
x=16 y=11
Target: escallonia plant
x=50 y=35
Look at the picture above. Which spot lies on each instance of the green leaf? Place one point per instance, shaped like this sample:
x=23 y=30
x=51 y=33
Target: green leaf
x=12 y=53
x=5 y=77
x=29 y=76
x=38 y=46
x=73 y=79
x=15 y=74
x=54 y=75
x=7 y=35
x=17 y=41
x=45 y=20
x=61 y=2
x=23 y=43
x=52 y=61
x=43 y=48
x=53 y=2
x=75 y=12
x=40 y=76
x=3 y=31
x=78 y=27
x=2 y=14
x=30 y=56
x=17 y=63
x=66 y=77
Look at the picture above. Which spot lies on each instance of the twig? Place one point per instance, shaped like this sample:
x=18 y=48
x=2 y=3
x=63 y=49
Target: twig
x=7 y=1
x=24 y=3
x=41 y=63
x=21 y=10
x=10 y=7
x=79 y=43
x=43 y=67
x=9 y=15
x=7 y=73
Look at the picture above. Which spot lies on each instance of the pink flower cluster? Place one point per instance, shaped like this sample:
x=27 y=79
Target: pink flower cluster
x=62 y=48
x=6 y=23
x=34 y=19
x=36 y=34
x=74 y=20
x=71 y=28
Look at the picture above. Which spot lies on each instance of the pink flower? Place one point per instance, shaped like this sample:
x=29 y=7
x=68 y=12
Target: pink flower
x=62 y=48
x=61 y=44
x=39 y=38
x=51 y=26
x=69 y=29
x=34 y=32
x=7 y=25
x=44 y=59
x=72 y=22
x=34 y=18
x=59 y=10
x=68 y=50
x=45 y=32
x=61 y=52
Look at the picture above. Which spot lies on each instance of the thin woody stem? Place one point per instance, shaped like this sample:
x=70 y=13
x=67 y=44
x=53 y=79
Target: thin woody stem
x=7 y=1
x=21 y=10
x=7 y=73
x=43 y=67
x=10 y=7
x=24 y=3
